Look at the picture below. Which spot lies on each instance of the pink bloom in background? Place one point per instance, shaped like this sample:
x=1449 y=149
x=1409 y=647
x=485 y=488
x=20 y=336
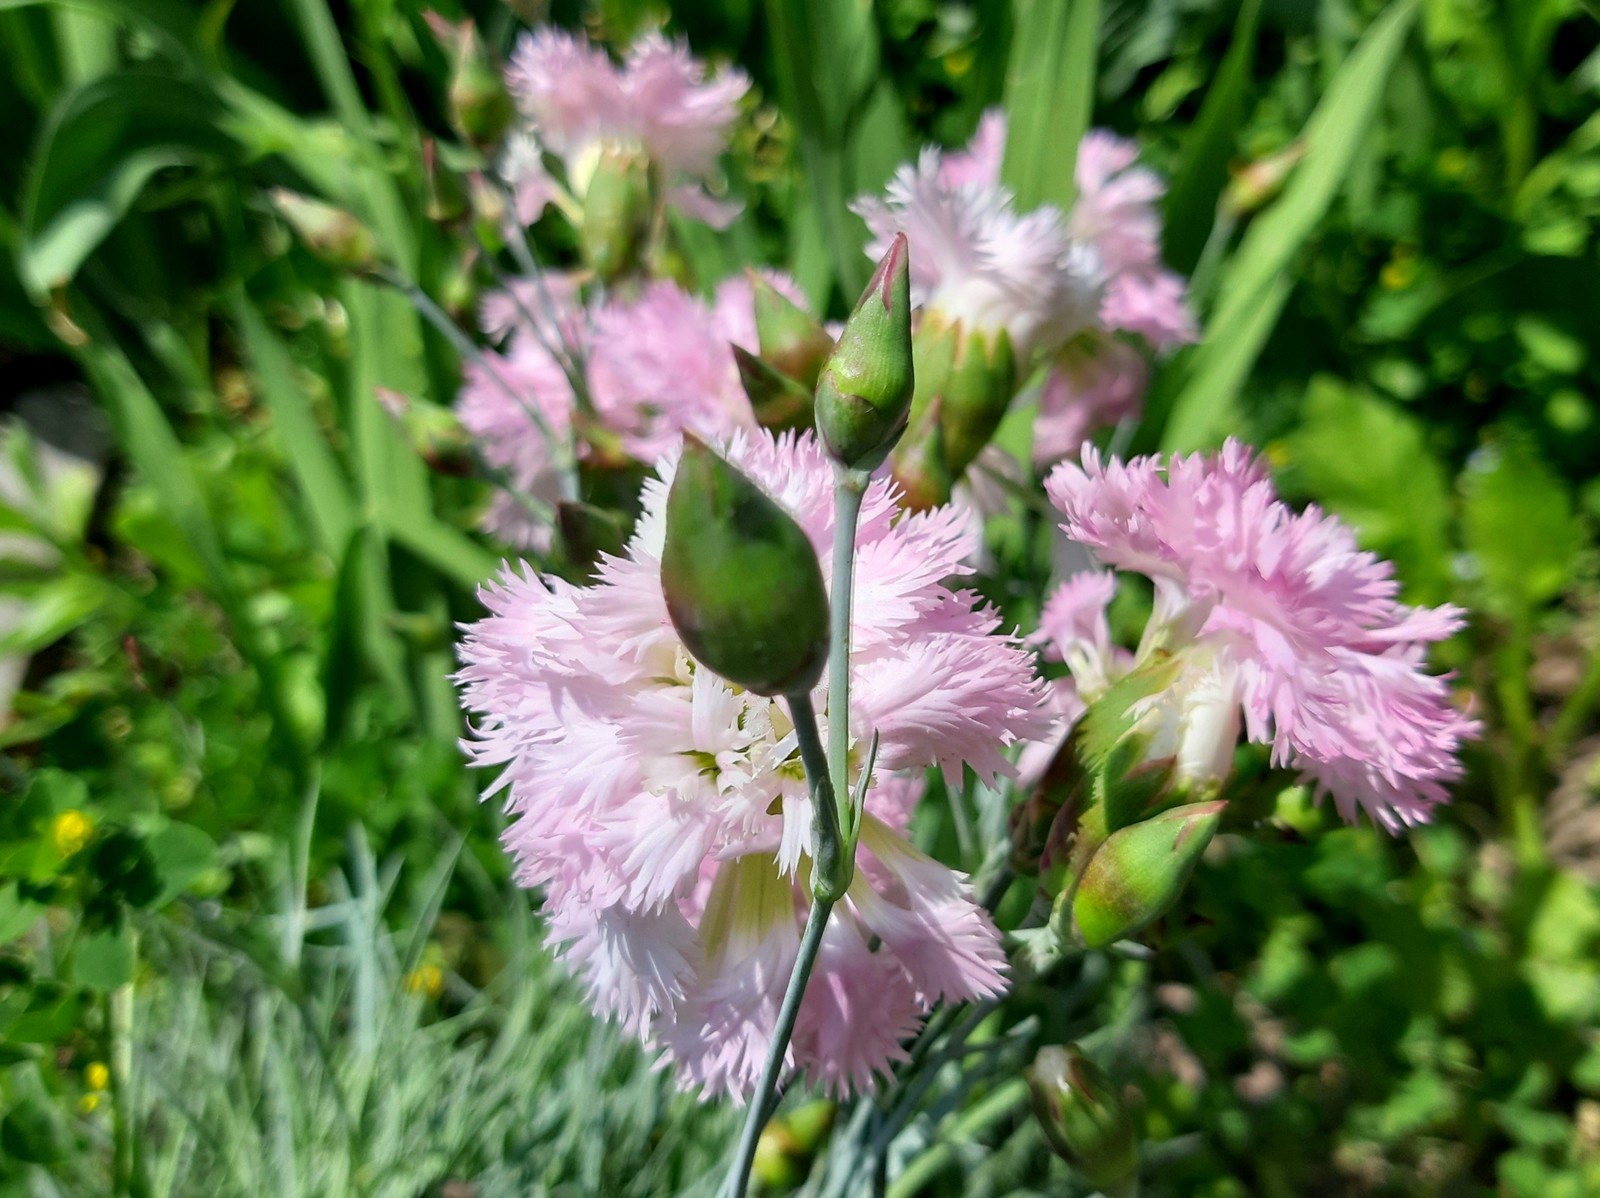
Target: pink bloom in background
x=576 y=101
x=656 y=365
x=1094 y=382
x=975 y=259
x=1283 y=624
x=1116 y=213
x=665 y=814
x=1060 y=284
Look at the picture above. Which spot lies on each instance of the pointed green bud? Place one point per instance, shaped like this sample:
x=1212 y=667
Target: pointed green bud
x=331 y=234
x=864 y=390
x=976 y=396
x=480 y=107
x=920 y=467
x=975 y=377
x=1138 y=873
x=778 y=401
x=432 y=430
x=742 y=582
x=446 y=191
x=617 y=213
x=792 y=341
x=1084 y=1118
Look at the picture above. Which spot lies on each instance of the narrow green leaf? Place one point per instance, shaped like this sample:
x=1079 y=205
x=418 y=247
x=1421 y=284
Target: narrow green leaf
x=1049 y=98
x=1202 y=171
x=101 y=144
x=1259 y=279
x=311 y=459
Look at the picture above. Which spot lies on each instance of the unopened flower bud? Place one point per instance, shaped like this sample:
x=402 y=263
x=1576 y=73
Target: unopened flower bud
x=331 y=234
x=792 y=341
x=742 y=582
x=617 y=213
x=446 y=190
x=1138 y=873
x=1084 y=1118
x=1036 y=844
x=434 y=432
x=920 y=467
x=974 y=376
x=1256 y=183
x=480 y=108
x=778 y=401
x=864 y=390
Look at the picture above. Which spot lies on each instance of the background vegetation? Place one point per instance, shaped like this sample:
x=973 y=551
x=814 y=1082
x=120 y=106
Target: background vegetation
x=258 y=934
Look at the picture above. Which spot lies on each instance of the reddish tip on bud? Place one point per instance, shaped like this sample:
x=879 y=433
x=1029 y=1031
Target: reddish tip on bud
x=1084 y=1118
x=741 y=579
x=433 y=431
x=864 y=390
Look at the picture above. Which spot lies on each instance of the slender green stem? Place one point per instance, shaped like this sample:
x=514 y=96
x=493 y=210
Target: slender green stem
x=850 y=487
x=431 y=312
x=1000 y=1105
x=827 y=852
x=763 y=1102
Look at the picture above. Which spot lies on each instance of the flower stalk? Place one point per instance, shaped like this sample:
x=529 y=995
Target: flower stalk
x=828 y=856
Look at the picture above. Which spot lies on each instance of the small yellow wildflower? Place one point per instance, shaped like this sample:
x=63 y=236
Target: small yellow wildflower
x=70 y=831
x=88 y=1103
x=96 y=1076
x=425 y=979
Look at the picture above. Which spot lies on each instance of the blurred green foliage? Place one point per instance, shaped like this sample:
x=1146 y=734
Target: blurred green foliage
x=228 y=588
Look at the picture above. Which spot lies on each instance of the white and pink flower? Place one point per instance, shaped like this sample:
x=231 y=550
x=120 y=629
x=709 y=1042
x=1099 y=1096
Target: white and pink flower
x=665 y=814
x=1284 y=627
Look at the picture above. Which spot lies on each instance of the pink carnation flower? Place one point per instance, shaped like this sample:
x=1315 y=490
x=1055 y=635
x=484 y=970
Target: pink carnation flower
x=656 y=365
x=665 y=815
x=577 y=101
x=975 y=259
x=1116 y=213
x=1281 y=622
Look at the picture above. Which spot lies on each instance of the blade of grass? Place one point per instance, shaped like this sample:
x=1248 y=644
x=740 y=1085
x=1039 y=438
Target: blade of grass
x=1202 y=170
x=1049 y=98
x=1258 y=282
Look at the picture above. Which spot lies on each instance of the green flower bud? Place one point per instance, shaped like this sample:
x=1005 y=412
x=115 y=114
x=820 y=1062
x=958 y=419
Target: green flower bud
x=1138 y=873
x=433 y=431
x=618 y=210
x=864 y=390
x=446 y=191
x=331 y=234
x=920 y=468
x=480 y=108
x=742 y=582
x=778 y=402
x=792 y=341
x=1084 y=1119
x=974 y=375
